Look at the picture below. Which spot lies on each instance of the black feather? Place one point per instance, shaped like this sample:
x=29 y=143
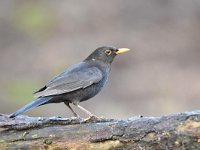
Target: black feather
x=40 y=90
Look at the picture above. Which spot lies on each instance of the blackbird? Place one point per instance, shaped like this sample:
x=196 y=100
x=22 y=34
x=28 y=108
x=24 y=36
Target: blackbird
x=78 y=83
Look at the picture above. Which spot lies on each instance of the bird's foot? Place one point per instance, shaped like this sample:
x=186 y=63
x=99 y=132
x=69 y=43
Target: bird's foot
x=91 y=118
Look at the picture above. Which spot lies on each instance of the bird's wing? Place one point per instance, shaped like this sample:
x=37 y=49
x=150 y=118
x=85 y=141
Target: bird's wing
x=71 y=81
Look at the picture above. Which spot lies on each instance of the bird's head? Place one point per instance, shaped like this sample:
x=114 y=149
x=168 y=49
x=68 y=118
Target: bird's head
x=105 y=54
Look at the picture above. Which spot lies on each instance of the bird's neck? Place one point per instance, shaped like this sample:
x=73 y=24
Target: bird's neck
x=104 y=66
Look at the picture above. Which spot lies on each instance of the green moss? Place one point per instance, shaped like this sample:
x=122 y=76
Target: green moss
x=110 y=144
x=48 y=141
x=149 y=137
x=35 y=136
x=2 y=141
x=188 y=126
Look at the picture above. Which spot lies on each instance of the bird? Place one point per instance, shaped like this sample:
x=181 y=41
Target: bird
x=77 y=83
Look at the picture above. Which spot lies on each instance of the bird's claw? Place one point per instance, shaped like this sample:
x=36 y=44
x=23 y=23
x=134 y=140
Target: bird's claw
x=91 y=118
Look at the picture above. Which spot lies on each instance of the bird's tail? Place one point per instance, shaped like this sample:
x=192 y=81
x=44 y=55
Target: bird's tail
x=36 y=103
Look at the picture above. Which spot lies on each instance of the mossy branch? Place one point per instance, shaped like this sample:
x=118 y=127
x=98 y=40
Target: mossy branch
x=179 y=131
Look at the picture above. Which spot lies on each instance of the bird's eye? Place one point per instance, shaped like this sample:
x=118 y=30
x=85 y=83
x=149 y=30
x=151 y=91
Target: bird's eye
x=108 y=52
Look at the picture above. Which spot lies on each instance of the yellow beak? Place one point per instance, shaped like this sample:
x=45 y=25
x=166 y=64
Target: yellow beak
x=122 y=50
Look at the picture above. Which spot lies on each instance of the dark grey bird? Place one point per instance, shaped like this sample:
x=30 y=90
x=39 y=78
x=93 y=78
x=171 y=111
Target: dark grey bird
x=78 y=83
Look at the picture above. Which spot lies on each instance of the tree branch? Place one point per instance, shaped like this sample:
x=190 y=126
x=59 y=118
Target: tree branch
x=180 y=131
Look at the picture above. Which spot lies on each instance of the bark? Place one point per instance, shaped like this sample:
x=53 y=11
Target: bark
x=179 y=131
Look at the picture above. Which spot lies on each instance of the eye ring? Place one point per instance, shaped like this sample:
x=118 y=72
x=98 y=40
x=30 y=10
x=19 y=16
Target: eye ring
x=108 y=52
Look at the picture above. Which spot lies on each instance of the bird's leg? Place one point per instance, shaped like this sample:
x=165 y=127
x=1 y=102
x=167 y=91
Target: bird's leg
x=91 y=116
x=75 y=114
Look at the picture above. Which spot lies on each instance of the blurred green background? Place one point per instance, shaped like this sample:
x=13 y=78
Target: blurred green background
x=160 y=76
